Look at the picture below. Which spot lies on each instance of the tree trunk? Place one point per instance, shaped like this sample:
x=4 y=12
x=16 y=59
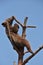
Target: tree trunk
x=20 y=57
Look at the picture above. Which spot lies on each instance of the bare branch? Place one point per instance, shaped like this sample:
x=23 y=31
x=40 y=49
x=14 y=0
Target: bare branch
x=24 y=25
x=25 y=20
x=29 y=26
x=26 y=60
x=24 y=28
x=18 y=22
x=25 y=52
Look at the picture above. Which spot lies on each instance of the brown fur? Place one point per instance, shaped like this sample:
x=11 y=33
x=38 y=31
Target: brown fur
x=15 y=38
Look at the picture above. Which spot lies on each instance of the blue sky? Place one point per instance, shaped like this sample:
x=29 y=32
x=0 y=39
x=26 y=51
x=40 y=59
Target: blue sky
x=33 y=9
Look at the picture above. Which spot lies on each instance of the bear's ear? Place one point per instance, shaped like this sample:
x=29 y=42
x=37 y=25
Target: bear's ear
x=4 y=24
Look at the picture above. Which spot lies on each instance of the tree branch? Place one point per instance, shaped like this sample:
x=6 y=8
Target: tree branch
x=24 y=28
x=18 y=22
x=25 y=52
x=24 y=25
x=26 y=60
x=30 y=26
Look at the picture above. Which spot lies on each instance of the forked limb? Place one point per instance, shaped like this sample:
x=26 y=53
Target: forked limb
x=31 y=56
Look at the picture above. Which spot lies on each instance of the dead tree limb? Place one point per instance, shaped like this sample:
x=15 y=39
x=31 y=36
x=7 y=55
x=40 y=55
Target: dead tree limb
x=31 y=56
x=18 y=22
x=24 y=28
x=30 y=26
x=25 y=21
